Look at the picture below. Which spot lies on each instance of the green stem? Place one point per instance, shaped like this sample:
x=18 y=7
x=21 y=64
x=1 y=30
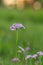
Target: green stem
x=16 y=41
x=24 y=60
x=30 y=61
x=40 y=60
x=17 y=38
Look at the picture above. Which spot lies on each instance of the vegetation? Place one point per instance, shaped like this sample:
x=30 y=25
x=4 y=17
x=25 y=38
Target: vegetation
x=31 y=37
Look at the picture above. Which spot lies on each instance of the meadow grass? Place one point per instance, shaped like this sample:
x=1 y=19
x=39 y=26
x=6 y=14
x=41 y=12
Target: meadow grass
x=31 y=37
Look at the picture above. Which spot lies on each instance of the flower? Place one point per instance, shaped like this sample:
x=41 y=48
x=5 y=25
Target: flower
x=34 y=56
x=19 y=26
x=12 y=28
x=22 y=49
x=19 y=51
x=40 y=53
x=27 y=57
x=15 y=60
x=16 y=26
x=27 y=49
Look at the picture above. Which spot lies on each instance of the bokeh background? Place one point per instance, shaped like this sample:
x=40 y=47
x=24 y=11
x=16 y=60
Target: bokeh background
x=30 y=14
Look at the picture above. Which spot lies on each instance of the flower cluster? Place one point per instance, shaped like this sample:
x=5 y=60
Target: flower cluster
x=40 y=53
x=34 y=56
x=30 y=56
x=16 y=26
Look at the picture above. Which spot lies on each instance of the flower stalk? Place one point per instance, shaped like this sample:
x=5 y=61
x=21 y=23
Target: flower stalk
x=16 y=41
x=40 y=61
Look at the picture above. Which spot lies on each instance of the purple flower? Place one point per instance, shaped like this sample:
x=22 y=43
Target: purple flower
x=34 y=56
x=16 y=26
x=15 y=60
x=12 y=28
x=40 y=53
x=19 y=25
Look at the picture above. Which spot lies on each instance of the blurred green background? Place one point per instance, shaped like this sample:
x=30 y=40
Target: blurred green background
x=31 y=37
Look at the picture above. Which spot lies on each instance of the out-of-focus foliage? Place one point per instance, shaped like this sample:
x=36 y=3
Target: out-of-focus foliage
x=23 y=2
x=0 y=2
